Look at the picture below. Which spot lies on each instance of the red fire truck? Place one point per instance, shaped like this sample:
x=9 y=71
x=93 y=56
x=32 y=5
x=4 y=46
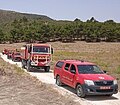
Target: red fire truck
x=36 y=56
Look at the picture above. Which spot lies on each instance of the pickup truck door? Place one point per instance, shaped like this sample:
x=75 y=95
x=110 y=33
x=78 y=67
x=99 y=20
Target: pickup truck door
x=65 y=74
x=72 y=75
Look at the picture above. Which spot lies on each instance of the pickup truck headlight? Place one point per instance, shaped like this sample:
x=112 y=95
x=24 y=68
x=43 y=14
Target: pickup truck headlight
x=89 y=82
x=115 y=82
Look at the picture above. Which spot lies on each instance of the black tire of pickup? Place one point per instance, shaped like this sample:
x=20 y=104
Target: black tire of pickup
x=80 y=91
x=58 y=81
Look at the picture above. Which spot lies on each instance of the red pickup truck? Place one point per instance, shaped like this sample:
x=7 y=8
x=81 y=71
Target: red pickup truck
x=85 y=77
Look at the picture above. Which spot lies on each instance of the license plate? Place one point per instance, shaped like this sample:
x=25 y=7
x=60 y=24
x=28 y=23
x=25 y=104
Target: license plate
x=105 y=87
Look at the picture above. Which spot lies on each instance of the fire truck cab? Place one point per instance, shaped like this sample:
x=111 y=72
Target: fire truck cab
x=36 y=56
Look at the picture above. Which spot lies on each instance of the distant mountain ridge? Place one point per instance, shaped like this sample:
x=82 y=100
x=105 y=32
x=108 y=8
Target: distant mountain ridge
x=7 y=16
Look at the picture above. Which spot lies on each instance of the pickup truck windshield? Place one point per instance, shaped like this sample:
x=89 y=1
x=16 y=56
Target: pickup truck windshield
x=89 y=69
x=41 y=49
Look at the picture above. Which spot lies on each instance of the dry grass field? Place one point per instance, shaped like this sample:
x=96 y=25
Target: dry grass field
x=106 y=55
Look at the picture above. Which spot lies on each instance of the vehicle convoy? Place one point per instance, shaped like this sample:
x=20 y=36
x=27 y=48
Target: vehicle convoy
x=36 y=56
x=85 y=77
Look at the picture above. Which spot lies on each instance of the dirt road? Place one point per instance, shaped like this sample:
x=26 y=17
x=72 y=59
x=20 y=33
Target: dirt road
x=67 y=91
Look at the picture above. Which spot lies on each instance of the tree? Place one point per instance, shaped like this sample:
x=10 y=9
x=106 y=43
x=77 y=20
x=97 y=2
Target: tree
x=2 y=36
x=92 y=20
x=32 y=30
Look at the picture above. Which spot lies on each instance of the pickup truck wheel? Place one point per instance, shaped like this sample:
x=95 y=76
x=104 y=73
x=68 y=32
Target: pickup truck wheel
x=58 y=81
x=80 y=91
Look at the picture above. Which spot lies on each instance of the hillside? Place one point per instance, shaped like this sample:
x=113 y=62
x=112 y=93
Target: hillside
x=8 y=16
x=23 y=27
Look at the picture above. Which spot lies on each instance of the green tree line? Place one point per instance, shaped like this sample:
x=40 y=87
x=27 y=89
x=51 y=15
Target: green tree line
x=28 y=30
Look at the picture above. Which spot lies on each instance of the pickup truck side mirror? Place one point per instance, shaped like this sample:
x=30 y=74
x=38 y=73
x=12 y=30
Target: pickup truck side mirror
x=104 y=71
x=73 y=71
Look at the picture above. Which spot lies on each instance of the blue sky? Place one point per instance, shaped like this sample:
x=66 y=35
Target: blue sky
x=67 y=9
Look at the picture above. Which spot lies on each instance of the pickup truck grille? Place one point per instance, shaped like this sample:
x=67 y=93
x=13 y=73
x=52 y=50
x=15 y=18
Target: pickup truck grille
x=103 y=83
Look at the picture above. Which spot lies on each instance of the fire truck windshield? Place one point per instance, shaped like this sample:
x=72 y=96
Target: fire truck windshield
x=41 y=49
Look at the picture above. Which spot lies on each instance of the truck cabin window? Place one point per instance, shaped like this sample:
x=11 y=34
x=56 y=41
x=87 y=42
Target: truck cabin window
x=40 y=49
x=72 y=69
x=89 y=69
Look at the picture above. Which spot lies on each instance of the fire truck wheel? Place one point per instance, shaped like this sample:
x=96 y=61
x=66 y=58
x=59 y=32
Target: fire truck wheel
x=29 y=68
x=13 y=59
x=23 y=66
x=47 y=69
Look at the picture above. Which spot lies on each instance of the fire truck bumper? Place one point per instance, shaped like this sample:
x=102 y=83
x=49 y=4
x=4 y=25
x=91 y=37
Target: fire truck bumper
x=40 y=63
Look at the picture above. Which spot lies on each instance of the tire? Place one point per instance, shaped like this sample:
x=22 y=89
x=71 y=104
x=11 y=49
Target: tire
x=47 y=69
x=23 y=66
x=29 y=68
x=80 y=91
x=58 y=81
x=13 y=59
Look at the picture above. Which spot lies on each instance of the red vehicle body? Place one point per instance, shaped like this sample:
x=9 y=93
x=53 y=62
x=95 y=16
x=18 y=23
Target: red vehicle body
x=5 y=51
x=9 y=54
x=16 y=56
x=36 y=56
x=85 y=77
